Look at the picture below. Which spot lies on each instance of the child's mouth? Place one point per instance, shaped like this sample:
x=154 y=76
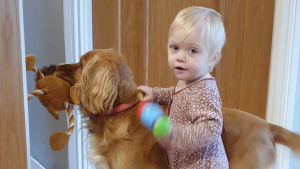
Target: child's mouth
x=179 y=68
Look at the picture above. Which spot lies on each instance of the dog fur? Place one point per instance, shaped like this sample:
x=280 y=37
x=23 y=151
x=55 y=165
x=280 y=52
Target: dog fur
x=103 y=80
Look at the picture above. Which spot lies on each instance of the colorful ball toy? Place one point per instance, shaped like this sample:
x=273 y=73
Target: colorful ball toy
x=153 y=118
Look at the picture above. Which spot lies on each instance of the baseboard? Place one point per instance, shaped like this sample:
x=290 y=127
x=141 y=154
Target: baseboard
x=36 y=164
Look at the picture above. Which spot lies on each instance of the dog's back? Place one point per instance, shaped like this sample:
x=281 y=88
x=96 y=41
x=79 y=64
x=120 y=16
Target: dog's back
x=250 y=141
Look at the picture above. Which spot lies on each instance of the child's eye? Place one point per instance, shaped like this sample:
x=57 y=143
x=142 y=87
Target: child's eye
x=174 y=48
x=192 y=51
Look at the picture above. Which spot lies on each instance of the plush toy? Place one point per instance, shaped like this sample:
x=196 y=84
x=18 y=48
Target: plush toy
x=54 y=94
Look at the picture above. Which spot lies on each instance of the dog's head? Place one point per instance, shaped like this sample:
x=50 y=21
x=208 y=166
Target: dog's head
x=72 y=72
x=101 y=80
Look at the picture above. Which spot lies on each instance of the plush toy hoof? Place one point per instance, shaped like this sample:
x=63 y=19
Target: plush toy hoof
x=55 y=116
x=30 y=62
x=58 y=141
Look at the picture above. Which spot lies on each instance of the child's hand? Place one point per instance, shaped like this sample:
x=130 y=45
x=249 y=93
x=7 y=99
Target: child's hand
x=165 y=141
x=147 y=91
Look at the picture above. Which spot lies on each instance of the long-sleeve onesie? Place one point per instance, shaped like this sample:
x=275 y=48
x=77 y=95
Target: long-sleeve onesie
x=196 y=116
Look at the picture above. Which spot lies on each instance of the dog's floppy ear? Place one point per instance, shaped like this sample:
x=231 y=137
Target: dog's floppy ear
x=74 y=96
x=98 y=87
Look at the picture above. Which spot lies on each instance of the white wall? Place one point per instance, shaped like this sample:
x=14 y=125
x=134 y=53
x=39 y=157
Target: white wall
x=295 y=161
x=44 y=37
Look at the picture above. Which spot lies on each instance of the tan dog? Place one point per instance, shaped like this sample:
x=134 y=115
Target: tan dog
x=102 y=81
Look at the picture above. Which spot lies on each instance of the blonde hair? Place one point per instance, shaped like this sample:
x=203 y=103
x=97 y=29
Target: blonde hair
x=205 y=22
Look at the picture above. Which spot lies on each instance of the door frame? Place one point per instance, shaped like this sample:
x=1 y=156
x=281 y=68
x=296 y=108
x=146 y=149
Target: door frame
x=78 y=40
x=26 y=116
x=283 y=70
x=282 y=75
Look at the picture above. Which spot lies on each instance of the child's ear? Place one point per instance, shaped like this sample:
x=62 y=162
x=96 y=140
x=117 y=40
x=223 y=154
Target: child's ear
x=214 y=60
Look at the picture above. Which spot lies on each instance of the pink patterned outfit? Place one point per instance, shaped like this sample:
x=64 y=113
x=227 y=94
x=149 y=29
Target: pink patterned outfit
x=197 y=125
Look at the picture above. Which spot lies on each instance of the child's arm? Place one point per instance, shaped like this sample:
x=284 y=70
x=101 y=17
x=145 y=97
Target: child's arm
x=206 y=125
x=162 y=95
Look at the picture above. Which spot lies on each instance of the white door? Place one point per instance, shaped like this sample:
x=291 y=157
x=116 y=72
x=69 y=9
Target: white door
x=44 y=37
x=54 y=31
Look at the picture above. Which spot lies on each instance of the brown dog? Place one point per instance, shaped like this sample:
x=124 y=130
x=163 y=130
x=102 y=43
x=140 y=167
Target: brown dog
x=102 y=81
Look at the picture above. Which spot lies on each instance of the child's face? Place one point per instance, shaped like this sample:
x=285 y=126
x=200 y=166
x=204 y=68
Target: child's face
x=188 y=58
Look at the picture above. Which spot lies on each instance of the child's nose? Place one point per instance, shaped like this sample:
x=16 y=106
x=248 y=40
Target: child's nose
x=180 y=57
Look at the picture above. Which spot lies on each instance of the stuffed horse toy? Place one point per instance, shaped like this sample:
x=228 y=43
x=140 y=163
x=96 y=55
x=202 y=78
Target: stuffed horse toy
x=54 y=94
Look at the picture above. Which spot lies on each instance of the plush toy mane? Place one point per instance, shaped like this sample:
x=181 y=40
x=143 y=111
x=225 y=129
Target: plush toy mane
x=47 y=70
